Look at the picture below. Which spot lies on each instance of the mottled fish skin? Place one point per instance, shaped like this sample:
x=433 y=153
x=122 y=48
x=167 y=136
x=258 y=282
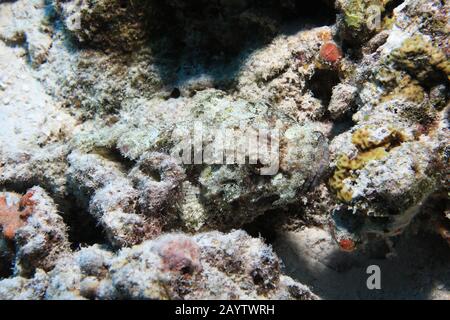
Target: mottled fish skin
x=321 y=161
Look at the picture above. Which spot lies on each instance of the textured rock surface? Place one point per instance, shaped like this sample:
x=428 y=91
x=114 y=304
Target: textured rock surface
x=40 y=238
x=98 y=100
x=174 y=266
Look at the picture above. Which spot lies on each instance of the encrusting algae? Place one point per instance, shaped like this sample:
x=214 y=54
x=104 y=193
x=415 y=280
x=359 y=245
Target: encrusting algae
x=368 y=150
x=421 y=58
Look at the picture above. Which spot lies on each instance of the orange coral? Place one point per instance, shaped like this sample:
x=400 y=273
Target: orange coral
x=330 y=52
x=347 y=245
x=13 y=217
x=26 y=200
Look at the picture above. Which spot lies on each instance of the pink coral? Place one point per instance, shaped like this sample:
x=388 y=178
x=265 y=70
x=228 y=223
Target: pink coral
x=12 y=217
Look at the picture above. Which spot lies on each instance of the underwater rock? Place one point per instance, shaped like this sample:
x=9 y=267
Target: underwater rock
x=173 y=266
x=39 y=233
x=33 y=129
x=108 y=24
x=27 y=25
x=391 y=160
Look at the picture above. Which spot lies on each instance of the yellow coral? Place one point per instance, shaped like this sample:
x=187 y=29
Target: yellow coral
x=416 y=53
x=368 y=150
x=361 y=139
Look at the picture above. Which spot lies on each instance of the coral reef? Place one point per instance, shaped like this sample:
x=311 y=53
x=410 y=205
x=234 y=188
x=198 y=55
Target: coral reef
x=173 y=266
x=139 y=139
x=388 y=165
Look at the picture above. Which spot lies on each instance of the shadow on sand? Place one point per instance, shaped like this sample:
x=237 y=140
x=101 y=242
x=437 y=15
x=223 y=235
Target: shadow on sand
x=420 y=270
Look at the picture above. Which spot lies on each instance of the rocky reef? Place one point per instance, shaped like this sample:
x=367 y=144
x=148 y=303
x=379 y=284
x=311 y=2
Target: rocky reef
x=153 y=150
